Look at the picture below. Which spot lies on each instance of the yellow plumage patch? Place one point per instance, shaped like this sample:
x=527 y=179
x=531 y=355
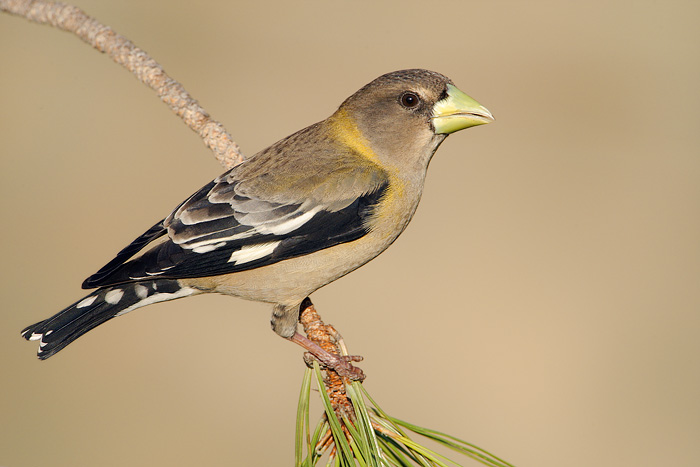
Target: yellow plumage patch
x=346 y=132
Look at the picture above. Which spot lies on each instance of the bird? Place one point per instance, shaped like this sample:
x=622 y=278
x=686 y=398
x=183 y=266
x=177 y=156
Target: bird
x=289 y=220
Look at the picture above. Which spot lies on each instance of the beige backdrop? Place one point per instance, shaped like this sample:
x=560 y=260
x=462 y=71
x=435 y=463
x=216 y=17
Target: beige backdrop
x=543 y=304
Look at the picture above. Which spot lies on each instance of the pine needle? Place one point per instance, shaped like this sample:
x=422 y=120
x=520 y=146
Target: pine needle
x=372 y=438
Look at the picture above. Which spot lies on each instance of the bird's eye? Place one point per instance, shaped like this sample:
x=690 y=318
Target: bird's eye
x=409 y=99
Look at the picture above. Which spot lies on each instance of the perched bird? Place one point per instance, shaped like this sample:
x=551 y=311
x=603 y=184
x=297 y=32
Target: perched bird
x=294 y=217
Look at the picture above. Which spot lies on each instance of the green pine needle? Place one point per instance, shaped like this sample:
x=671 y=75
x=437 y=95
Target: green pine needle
x=373 y=439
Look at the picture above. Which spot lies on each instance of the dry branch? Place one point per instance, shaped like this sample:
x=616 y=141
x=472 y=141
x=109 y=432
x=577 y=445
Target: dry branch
x=148 y=71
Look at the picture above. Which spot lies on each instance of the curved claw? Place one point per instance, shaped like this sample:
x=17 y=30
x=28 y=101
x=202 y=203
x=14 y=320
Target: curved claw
x=341 y=364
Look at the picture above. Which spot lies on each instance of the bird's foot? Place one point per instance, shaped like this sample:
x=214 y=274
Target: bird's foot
x=341 y=364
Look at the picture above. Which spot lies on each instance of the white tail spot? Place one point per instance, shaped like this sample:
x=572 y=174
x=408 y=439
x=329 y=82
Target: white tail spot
x=158 y=297
x=86 y=302
x=113 y=296
x=141 y=291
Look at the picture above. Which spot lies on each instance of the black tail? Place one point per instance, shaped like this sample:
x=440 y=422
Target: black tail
x=102 y=305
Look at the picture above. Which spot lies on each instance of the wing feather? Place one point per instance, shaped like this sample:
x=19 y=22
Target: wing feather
x=249 y=218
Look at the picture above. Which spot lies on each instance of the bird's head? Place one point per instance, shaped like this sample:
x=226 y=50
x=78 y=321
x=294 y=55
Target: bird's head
x=403 y=116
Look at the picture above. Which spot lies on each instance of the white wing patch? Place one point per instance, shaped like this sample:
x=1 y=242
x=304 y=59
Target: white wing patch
x=280 y=228
x=287 y=226
x=205 y=247
x=162 y=271
x=253 y=252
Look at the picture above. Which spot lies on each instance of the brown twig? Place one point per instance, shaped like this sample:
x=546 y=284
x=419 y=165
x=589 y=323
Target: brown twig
x=323 y=335
x=329 y=340
x=148 y=71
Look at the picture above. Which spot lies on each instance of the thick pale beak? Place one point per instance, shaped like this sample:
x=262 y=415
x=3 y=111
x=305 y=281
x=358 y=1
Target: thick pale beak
x=457 y=112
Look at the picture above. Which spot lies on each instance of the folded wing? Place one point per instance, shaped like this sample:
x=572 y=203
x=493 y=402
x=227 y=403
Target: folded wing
x=246 y=219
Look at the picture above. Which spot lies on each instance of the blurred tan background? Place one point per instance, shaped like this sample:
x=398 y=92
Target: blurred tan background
x=544 y=303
